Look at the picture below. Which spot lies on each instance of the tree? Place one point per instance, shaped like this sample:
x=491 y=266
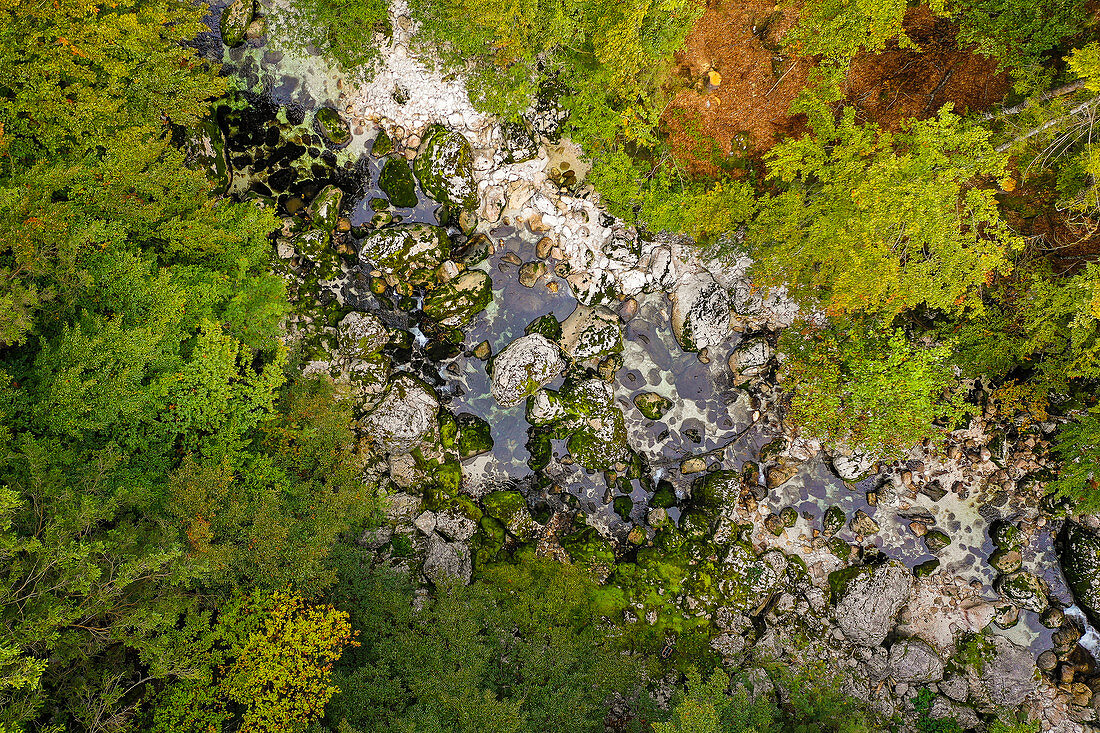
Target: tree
x=837 y=30
x=878 y=223
x=263 y=665
x=866 y=388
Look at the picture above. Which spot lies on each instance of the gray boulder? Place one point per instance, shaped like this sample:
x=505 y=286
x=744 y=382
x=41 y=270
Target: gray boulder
x=361 y=334
x=591 y=332
x=1080 y=556
x=409 y=252
x=404 y=416
x=915 y=661
x=750 y=359
x=1006 y=679
x=701 y=312
x=868 y=599
x=447 y=562
x=455 y=526
x=524 y=366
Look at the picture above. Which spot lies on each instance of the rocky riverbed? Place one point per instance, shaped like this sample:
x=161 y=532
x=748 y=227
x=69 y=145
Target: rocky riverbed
x=528 y=371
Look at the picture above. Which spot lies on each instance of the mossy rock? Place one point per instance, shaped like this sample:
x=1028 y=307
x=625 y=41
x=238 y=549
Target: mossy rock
x=474 y=437
x=936 y=541
x=623 y=505
x=204 y=149
x=361 y=334
x=448 y=430
x=488 y=542
x=652 y=405
x=833 y=521
x=540 y=449
x=546 y=325
x=461 y=299
x=717 y=489
x=926 y=568
x=518 y=144
x=1006 y=536
x=397 y=181
x=1024 y=590
x=1006 y=561
x=475 y=250
x=511 y=510
x=788 y=516
x=334 y=128
x=234 y=21
x=444 y=165
x=664 y=497
x=324 y=210
x=598 y=439
x=447 y=477
x=587 y=547
x=315 y=245
x=383 y=144
x=591 y=333
x=409 y=252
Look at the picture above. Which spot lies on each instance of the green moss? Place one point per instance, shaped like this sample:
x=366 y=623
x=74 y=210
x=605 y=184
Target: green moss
x=234 y=22
x=664 y=497
x=458 y=301
x=546 y=325
x=383 y=144
x=410 y=252
x=511 y=510
x=448 y=429
x=587 y=547
x=652 y=405
x=474 y=437
x=541 y=450
x=926 y=568
x=397 y=181
x=623 y=505
x=839 y=579
x=444 y=165
x=717 y=489
x=332 y=126
x=833 y=521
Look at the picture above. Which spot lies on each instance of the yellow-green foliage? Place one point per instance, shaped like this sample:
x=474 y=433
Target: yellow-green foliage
x=837 y=30
x=264 y=666
x=881 y=223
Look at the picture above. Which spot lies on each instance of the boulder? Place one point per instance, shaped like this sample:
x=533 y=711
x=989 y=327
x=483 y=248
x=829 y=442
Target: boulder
x=408 y=252
x=1005 y=679
x=334 y=128
x=914 y=661
x=1079 y=552
x=1024 y=590
x=397 y=182
x=204 y=149
x=750 y=359
x=454 y=525
x=591 y=332
x=862 y=524
x=360 y=335
x=510 y=509
x=701 y=312
x=474 y=436
x=324 y=210
x=234 y=22
x=447 y=562
x=523 y=367
x=868 y=599
x=444 y=165
x=458 y=301
x=405 y=415
x=652 y=405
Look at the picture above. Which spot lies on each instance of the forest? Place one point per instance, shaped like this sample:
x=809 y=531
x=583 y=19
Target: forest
x=207 y=525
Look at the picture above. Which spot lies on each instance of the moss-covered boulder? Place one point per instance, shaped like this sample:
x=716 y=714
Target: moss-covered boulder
x=234 y=21
x=546 y=325
x=315 y=245
x=382 y=145
x=204 y=149
x=652 y=405
x=397 y=182
x=324 y=210
x=936 y=541
x=408 y=252
x=458 y=301
x=367 y=376
x=523 y=367
x=1080 y=556
x=833 y=521
x=474 y=436
x=361 y=334
x=587 y=547
x=591 y=332
x=510 y=509
x=716 y=489
x=444 y=165
x=599 y=440
x=1024 y=590
x=403 y=417
x=334 y=128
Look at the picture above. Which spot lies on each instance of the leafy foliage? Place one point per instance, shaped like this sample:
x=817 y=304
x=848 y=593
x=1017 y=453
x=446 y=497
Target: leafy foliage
x=837 y=30
x=868 y=389
x=880 y=223
x=519 y=650
x=345 y=31
x=1016 y=32
x=1078 y=450
x=705 y=706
